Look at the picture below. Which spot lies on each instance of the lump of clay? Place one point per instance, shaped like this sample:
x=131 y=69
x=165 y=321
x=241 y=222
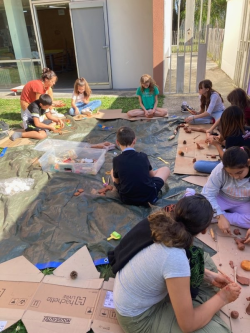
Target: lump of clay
x=180 y=152
x=237 y=232
x=240 y=246
x=248 y=309
x=243 y=280
x=234 y=314
x=184 y=142
x=245 y=264
x=194 y=160
x=231 y=263
x=199 y=146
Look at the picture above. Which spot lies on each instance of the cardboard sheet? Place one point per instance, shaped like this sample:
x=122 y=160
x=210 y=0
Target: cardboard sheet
x=184 y=164
x=227 y=250
x=196 y=180
x=117 y=114
x=6 y=142
x=57 y=303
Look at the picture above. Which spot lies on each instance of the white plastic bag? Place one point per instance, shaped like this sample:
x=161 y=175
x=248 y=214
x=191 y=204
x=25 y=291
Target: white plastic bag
x=15 y=185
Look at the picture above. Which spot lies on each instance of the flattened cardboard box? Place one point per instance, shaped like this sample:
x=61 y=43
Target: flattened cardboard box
x=56 y=303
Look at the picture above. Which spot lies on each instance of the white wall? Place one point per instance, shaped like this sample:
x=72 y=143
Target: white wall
x=131 y=41
x=232 y=36
x=167 y=35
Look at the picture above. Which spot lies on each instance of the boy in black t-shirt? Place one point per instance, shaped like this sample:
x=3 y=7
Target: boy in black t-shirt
x=34 y=121
x=132 y=174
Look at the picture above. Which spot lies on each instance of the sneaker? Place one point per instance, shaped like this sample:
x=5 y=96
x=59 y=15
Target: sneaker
x=87 y=111
x=56 y=114
x=185 y=107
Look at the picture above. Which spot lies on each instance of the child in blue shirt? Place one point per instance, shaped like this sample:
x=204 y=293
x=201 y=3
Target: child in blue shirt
x=148 y=98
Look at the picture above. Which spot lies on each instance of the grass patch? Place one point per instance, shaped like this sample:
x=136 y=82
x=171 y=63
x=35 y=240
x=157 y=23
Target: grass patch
x=10 y=108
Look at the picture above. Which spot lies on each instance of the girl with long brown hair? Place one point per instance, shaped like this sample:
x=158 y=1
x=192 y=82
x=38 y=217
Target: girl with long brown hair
x=239 y=98
x=162 y=281
x=233 y=132
x=148 y=99
x=211 y=105
x=80 y=103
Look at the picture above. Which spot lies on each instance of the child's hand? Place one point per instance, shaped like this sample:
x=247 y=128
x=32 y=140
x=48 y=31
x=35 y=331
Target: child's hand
x=213 y=140
x=224 y=225
x=52 y=127
x=77 y=111
x=216 y=279
x=60 y=122
x=247 y=238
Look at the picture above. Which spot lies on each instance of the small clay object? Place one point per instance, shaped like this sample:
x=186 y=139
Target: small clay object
x=199 y=146
x=80 y=190
x=248 y=298
x=213 y=156
x=240 y=246
x=245 y=264
x=237 y=232
x=243 y=280
x=76 y=194
x=73 y=275
x=220 y=264
x=184 y=142
x=248 y=309
x=231 y=263
x=107 y=188
x=194 y=160
x=180 y=152
x=234 y=314
x=188 y=131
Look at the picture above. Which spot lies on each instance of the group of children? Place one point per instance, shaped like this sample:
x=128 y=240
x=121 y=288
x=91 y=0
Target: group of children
x=157 y=266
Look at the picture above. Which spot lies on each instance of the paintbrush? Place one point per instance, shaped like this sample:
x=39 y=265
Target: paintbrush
x=235 y=274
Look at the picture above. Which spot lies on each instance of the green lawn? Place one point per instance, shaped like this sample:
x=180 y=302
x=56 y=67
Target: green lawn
x=10 y=108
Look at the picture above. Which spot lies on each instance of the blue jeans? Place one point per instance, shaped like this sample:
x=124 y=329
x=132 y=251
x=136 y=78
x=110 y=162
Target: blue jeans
x=205 y=166
x=207 y=120
x=81 y=106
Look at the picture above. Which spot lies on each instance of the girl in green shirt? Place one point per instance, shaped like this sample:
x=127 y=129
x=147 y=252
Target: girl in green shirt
x=148 y=98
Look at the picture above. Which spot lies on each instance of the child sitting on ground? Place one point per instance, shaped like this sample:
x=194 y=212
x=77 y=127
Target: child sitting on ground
x=80 y=103
x=228 y=189
x=132 y=173
x=148 y=98
x=34 y=122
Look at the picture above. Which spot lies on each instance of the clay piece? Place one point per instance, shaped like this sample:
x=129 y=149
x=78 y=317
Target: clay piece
x=245 y=264
x=188 y=131
x=248 y=309
x=234 y=314
x=184 y=142
x=76 y=194
x=213 y=156
x=180 y=152
x=248 y=298
x=237 y=232
x=199 y=146
x=198 y=129
x=194 y=160
x=80 y=190
x=73 y=275
x=240 y=246
x=107 y=188
x=243 y=280
x=231 y=263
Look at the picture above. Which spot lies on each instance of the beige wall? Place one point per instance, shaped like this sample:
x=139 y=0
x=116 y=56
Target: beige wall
x=131 y=41
x=232 y=36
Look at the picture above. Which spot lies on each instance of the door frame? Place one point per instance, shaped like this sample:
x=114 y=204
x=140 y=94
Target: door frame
x=33 y=5
x=91 y=4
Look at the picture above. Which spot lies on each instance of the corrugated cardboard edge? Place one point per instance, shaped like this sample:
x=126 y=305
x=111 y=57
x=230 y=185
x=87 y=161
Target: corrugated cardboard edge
x=196 y=180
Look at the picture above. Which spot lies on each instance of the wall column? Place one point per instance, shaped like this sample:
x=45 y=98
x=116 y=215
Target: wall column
x=158 y=43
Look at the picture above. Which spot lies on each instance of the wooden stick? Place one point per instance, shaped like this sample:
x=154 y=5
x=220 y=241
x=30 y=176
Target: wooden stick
x=223 y=273
x=197 y=136
x=212 y=234
x=235 y=274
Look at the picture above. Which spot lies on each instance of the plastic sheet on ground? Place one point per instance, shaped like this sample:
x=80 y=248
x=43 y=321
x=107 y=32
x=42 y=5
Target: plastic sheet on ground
x=48 y=223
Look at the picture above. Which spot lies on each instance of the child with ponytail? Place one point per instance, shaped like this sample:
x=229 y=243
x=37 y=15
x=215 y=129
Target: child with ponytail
x=159 y=272
x=80 y=103
x=228 y=189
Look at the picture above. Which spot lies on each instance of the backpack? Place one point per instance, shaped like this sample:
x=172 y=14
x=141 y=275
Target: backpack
x=4 y=129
